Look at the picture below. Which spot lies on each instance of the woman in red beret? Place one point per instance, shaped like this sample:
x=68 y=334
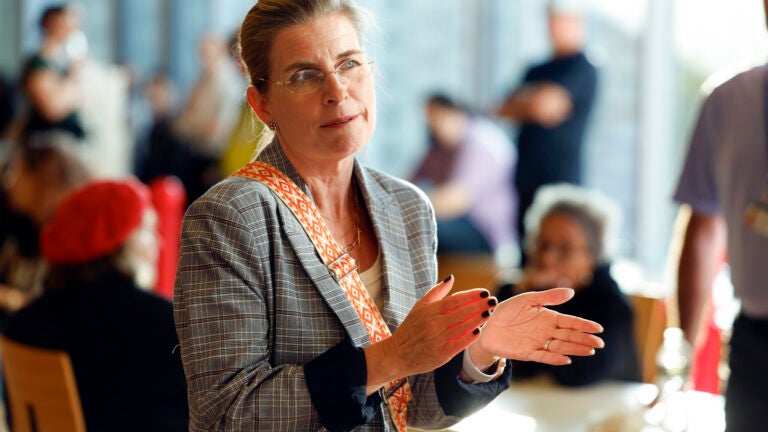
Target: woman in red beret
x=120 y=338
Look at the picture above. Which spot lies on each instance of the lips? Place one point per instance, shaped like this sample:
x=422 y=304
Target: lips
x=338 y=122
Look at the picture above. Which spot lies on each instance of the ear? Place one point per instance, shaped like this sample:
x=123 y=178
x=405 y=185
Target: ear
x=259 y=104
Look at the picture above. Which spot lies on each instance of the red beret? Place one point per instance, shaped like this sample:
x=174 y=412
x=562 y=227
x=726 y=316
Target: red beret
x=94 y=221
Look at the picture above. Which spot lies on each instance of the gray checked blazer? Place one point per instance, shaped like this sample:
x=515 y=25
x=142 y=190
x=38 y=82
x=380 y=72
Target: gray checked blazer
x=254 y=302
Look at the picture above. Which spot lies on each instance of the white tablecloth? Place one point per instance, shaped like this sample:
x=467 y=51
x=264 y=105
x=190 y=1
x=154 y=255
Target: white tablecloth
x=541 y=406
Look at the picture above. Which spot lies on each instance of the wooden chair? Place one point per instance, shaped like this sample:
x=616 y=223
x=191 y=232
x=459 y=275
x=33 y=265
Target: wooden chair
x=41 y=389
x=470 y=271
x=650 y=322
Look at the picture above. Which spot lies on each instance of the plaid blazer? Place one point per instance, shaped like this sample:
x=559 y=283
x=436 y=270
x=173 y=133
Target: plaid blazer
x=254 y=302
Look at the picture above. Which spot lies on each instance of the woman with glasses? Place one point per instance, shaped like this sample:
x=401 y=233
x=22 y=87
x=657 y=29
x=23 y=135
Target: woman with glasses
x=569 y=235
x=306 y=297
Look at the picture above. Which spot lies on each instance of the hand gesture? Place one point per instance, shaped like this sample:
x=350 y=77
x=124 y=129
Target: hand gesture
x=521 y=328
x=437 y=328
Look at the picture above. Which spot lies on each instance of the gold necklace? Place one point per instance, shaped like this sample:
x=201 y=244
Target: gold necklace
x=356 y=242
x=345 y=218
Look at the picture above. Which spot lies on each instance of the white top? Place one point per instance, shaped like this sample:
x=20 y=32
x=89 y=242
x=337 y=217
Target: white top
x=372 y=280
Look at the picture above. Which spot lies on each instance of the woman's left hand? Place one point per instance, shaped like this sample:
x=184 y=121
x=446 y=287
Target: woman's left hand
x=521 y=328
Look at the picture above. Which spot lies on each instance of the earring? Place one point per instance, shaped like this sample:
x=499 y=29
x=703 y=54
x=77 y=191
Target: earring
x=272 y=126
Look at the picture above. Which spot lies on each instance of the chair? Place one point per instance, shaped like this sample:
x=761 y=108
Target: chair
x=41 y=389
x=469 y=270
x=170 y=199
x=650 y=322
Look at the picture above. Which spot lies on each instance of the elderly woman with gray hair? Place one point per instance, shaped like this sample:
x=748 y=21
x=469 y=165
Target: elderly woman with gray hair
x=569 y=238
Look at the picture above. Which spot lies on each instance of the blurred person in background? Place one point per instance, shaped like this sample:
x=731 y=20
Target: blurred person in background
x=51 y=78
x=120 y=338
x=209 y=114
x=552 y=107
x=243 y=139
x=36 y=177
x=570 y=232
x=162 y=152
x=723 y=182
x=467 y=174
x=307 y=295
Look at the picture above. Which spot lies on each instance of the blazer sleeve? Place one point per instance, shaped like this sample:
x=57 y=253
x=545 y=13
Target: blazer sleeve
x=222 y=319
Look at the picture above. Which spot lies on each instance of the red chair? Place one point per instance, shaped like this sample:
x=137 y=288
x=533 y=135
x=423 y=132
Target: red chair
x=170 y=200
x=705 y=366
x=706 y=358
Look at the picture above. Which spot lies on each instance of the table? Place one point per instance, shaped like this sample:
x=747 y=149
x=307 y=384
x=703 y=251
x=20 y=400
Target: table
x=539 y=405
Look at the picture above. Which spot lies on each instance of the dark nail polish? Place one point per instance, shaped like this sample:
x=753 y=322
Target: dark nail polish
x=484 y=294
x=486 y=314
x=492 y=302
x=475 y=331
x=450 y=276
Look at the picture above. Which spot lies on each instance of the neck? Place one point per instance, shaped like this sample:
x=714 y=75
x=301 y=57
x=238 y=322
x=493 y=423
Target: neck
x=333 y=196
x=339 y=207
x=330 y=183
x=50 y=47
x=567 y=51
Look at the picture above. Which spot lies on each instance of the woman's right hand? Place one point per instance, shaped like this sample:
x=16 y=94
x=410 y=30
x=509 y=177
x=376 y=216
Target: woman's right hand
x=436 y=329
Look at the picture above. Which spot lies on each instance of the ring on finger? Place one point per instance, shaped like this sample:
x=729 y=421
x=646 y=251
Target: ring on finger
x=547 y=343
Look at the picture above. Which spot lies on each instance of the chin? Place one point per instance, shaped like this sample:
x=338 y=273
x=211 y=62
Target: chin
x=349 y=147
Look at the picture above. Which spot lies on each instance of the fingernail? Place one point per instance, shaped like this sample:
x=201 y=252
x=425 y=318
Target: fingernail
x=475 y=331
x=484 y=294
x=486 y=314
x=450 y=276
x=492 y=302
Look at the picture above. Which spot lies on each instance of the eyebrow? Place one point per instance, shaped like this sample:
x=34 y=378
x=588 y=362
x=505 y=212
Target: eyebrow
x=309 y=65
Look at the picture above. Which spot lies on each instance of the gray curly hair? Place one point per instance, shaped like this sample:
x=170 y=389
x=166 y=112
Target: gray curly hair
x=597 y=215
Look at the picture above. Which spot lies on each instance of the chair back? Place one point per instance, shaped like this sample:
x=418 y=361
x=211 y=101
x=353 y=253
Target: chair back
x=469 y=270
x=41 y=389
x=170 y=199
x=650 y=322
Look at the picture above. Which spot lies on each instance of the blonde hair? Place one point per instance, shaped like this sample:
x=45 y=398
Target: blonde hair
x=265 y=19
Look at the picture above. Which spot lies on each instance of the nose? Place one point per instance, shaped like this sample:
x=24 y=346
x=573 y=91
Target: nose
x=547 y=257
x=335 y=87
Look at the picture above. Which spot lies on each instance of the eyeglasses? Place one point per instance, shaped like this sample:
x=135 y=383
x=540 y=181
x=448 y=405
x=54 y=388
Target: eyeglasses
x=563 y=252
x=308 y=81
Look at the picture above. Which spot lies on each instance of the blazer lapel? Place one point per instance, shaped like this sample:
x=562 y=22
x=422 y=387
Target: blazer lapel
x=388 y=223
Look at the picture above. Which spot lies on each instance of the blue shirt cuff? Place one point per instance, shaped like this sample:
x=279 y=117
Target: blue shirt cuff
x=337 y=380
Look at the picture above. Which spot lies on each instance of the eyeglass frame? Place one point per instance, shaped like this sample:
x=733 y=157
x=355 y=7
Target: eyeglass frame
x=563 y=251
x=284 y=84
